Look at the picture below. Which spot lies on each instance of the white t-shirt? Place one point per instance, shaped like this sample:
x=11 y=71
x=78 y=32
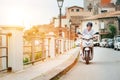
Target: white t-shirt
x=86 y=32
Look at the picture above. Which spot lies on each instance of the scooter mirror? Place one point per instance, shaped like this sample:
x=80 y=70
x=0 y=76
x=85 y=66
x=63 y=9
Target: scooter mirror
x=97 y=33
x=79 y=33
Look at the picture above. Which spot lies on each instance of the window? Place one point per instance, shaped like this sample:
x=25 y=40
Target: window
x=72 y=10
x=77 y=10
x=104 y=11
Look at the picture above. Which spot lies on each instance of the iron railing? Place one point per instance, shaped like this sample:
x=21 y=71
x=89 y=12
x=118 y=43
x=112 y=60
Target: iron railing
x=37 y=50
x=5 y=56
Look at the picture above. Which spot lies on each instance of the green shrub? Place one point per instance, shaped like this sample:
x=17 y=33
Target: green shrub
x=112 y=32
x=38 y=55
x=25 y=60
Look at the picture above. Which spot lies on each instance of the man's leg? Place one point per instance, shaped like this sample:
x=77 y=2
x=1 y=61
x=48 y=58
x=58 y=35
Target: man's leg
x=83 y=50
x=83 y=53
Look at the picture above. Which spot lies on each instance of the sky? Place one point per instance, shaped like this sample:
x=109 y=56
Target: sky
x=31 y=12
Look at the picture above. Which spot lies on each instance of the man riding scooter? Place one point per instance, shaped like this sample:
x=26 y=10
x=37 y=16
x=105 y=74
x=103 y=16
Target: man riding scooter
x=87 y=43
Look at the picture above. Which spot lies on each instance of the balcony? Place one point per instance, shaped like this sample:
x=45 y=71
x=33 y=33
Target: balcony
x=104 y=31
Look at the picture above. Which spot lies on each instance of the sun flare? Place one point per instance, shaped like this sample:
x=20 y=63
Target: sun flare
x=18 y=16
x=15 y=16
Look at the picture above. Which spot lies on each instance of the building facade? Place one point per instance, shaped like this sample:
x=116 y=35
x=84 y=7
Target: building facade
x=64 y=21
x=99 y=6
x=75 y=14
x=118 y=5
x=103 y=8
x=102 y=22
x=72 y=19
x=91 y=5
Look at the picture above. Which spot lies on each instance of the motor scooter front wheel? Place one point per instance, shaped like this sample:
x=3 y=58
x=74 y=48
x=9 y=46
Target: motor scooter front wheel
x=87 y=57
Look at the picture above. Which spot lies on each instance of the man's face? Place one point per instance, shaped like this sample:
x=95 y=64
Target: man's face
x=89 y=28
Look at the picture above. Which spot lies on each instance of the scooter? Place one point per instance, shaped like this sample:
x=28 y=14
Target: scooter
x=87 y=43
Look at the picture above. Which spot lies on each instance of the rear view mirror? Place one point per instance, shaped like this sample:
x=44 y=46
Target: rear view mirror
x=97 y=33
x=79 y=33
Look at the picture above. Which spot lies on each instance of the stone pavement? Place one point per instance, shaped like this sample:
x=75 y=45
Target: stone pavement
x=45 y=70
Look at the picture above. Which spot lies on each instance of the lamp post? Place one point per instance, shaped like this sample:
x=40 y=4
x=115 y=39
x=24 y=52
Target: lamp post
x=70 y=22
x=60 y=4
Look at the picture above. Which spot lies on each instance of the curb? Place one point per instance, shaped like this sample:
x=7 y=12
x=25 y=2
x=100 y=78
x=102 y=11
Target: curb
x=61 y=69
x=56 y=77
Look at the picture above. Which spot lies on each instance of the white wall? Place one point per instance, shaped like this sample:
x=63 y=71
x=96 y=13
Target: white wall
x=95 y=27
x=64 y=22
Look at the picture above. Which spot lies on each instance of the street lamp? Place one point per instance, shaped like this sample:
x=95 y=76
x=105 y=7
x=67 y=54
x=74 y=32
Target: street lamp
x=70 y=22
x=60 y=4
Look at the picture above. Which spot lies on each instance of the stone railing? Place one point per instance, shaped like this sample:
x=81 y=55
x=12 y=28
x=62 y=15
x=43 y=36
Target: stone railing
x=49 y=47
x=42 y=48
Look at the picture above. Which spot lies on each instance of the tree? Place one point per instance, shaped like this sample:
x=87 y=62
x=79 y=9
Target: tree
x=118 y=2
x=117 y=5
x=112 y=30
x=33 y=32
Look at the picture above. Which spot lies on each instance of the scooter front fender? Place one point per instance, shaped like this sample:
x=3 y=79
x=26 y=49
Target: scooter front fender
x=87 y=49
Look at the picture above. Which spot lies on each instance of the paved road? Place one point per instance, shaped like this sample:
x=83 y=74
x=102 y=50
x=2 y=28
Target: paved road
x=105 y=66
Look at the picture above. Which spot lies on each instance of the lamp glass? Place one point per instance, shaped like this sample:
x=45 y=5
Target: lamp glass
x=60 y=3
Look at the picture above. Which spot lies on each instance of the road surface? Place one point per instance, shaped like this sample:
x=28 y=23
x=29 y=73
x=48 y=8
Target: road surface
x=105 y=66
